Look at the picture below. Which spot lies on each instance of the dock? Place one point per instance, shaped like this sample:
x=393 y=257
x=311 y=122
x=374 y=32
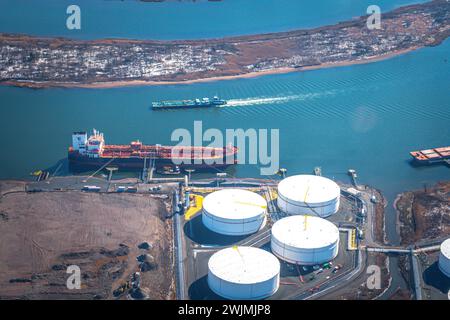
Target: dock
x=353 y=175
x=147 y=171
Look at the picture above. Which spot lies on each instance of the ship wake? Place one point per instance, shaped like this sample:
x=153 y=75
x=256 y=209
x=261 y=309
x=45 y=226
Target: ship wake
x=275 y=100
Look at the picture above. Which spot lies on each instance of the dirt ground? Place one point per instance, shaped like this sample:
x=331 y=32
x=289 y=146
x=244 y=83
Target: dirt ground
x=424 y=214
x=43 y=233
x=401 y=294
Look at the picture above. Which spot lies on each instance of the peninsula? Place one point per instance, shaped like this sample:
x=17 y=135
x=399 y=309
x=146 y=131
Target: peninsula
x=45 y=62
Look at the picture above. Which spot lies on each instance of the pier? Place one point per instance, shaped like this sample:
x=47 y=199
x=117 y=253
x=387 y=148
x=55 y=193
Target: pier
x=353 y=175
x=147 y=171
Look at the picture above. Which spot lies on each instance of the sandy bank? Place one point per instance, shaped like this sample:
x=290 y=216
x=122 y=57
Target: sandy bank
x=128 y=83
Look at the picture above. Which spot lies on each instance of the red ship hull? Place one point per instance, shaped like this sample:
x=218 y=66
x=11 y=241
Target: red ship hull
x=78 y=161
x=93 y=153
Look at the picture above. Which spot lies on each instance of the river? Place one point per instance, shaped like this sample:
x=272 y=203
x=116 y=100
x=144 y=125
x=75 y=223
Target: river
x=366 y=117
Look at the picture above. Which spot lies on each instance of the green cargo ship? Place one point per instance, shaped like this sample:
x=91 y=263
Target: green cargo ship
x=196 y=103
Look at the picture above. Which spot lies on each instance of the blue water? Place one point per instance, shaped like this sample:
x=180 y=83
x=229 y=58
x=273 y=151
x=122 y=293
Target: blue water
x=179 y=20
x=366 y=117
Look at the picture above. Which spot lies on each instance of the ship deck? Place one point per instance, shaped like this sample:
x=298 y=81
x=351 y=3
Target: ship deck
x=180 y=105
x=165 y=152
x=434 y=154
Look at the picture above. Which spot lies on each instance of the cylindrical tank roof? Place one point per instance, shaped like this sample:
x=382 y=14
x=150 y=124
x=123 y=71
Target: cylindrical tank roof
x=244 y=265
x=444 y=258
x=234 y=204
x=309 y=189
x=306 y=232
x=445 y=248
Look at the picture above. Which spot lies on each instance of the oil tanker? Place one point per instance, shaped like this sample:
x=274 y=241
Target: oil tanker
x=92 y=153
x=184 y=104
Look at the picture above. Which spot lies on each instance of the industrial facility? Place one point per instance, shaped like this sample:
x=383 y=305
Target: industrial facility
x=243 y=273
x=234 y=212
x=308 y=194
x=305 y=240
x=444 y=258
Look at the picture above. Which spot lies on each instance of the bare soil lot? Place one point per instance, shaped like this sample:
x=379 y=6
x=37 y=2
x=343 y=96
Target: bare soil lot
x=42 y=233
x=424 y=214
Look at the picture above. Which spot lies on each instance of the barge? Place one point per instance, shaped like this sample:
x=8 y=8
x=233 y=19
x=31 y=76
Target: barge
x=188 y=104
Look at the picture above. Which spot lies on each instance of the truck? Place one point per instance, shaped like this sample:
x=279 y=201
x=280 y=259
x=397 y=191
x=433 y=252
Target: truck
x=132 y=189
x=91 y=188
x=121 y=189
x=326 y=265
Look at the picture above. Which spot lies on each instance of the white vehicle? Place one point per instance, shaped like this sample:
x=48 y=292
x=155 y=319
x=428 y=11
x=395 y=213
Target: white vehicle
x=131 y=189
x=373 y=199
x=91 y=188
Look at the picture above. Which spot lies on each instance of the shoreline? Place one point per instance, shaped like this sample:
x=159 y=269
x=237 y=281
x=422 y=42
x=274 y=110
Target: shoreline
x=134 y=83
x=129 y=62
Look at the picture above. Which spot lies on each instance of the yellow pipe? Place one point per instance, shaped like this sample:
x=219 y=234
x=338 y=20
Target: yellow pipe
x=251 y=204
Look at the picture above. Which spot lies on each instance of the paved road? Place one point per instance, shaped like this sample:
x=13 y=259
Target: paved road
x=337 y=282
x=178 y=248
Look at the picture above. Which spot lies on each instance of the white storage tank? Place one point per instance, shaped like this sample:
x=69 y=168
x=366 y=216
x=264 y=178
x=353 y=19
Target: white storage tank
x=305 y=240
x=243 y=273
x=444 y=258
x=308 y=194
x=234 y=212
